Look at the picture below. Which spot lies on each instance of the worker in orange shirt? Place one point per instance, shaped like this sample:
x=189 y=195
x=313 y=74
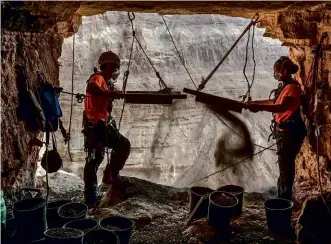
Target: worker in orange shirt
x=288 y=127
x=100 y=130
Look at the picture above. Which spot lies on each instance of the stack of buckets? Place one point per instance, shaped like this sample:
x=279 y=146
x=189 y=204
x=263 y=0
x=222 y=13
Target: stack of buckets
x=53 y=223
x=278 y=211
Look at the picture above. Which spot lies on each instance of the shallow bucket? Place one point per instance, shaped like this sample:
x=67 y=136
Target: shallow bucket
x=121 y=226
x=196 y=193
x=100 y=237
x=221 y=209
x=53 y=218
x=238 y=191
x=64 y=236
x=72 y=211
x=82 y=224
x=30 y=218
x=279 y=213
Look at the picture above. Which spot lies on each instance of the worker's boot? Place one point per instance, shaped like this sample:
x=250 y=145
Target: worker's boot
x=91 y=197
x=107 y=175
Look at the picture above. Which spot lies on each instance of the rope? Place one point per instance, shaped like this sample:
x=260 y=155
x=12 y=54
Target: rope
x=253 y=56
x=249 y=85
x=47 y=184
x=180 y=57
x=318 y=53
x=204 y=82
x=241 y=161
x=244 y=70
x=161 y=81
x=72 y=91
x=127 y=72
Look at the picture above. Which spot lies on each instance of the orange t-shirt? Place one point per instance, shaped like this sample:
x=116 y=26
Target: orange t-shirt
x=96 y=107
x=290 y=90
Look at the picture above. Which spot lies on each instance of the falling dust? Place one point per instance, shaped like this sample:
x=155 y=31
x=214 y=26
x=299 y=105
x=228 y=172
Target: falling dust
x=226 y=153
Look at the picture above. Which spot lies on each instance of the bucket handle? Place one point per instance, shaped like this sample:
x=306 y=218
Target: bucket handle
x=188 y=221
x=27 y=189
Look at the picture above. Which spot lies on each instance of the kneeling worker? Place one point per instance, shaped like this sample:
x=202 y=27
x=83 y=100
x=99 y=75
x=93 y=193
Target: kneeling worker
x=100 y=130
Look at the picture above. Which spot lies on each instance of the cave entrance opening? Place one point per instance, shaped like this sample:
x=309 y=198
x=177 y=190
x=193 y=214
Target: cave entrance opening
x=164 y=145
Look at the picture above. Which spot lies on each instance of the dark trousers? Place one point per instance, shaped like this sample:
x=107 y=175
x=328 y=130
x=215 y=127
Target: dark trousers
x=288 y=146
x=95 y=154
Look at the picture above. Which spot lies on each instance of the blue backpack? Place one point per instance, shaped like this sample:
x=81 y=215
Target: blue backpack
x=50 y=105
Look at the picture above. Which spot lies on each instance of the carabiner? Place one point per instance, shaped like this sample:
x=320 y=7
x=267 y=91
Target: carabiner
x=80 y=97
x=133 y=16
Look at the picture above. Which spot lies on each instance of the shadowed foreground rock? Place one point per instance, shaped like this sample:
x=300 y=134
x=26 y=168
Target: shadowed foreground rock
x=314 y=223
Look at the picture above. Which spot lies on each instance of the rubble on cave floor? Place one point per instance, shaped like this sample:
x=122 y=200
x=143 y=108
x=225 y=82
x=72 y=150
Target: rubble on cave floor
x=160 y=213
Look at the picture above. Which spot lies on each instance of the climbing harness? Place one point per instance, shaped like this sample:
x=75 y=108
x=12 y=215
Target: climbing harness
x=204 y=81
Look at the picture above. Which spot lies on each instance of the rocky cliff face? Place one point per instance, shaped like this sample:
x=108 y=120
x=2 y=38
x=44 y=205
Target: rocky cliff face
x=175 y=144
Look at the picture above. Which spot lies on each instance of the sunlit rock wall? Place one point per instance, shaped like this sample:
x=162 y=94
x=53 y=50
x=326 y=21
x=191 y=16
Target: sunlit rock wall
x=174 y=145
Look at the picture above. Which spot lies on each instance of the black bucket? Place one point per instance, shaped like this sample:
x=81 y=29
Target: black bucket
x=221 y=209
x=30 y=218
x=121 y=226
x=238 y=191
x=100 y=237
x=53 y=218
x=17 y=239
x=82 y=224
x=196 y=193
x=7 y=232
x=64 y=236
x=72 y=211
x=279 y=213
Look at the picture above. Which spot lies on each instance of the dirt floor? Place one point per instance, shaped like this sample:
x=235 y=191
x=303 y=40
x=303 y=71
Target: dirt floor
x=160 y=213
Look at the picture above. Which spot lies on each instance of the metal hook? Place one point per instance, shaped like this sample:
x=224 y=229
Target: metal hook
x=133 y=16
x=255 y=17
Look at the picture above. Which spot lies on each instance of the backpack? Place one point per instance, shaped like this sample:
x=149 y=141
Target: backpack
x=50 y=105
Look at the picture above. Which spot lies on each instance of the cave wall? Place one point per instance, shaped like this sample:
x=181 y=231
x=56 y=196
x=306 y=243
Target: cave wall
x=298 y=25
x=37 y=51
x=301 y=31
